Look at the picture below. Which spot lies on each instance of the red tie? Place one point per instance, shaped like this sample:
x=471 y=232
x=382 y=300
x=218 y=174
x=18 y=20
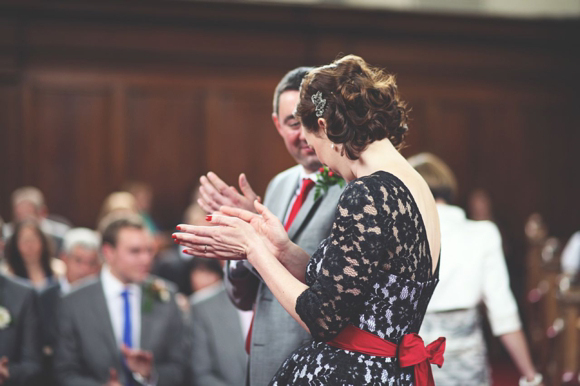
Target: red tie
x=307 y=185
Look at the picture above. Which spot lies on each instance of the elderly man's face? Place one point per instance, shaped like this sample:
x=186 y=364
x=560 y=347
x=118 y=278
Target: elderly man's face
x=81 y=263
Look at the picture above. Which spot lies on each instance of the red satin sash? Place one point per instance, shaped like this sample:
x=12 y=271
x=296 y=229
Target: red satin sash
x=410 y=352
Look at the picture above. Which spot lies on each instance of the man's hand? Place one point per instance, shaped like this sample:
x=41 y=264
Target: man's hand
x=215 y=193
x=138 y=361
x=4 y=371
x=113 y=378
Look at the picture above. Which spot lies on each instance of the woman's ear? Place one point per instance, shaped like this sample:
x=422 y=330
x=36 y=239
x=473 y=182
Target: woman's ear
x=322 y=125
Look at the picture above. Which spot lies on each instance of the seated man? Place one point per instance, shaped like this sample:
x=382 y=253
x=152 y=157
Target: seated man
x=218 y=328
x=81 y=259
x=125 y=326
x=20 y=359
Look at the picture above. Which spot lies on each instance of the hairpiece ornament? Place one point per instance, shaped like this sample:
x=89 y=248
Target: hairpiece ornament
x=319 y=103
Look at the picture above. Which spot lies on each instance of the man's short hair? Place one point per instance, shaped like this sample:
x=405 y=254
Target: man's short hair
x=83 y=237
x=290 y=82
x=30 y=194
x=112 y=224
x=205 y=264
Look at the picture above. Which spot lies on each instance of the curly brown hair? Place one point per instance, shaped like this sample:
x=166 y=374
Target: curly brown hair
x=362 y=105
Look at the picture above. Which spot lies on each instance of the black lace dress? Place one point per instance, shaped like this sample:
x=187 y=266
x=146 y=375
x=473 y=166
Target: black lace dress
x=373 y=271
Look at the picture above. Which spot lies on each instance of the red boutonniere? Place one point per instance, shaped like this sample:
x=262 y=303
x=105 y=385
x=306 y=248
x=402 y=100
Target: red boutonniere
x=326 y=178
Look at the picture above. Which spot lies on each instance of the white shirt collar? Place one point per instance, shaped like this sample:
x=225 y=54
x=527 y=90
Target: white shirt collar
x=312 y=176
x=113 y=286
x=207 y=292
x=65 y=286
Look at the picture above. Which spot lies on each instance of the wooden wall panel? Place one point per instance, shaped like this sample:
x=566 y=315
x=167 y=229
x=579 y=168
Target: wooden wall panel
x=66 y=155
x=165 y=146
x=242 y=137
x=94 y=93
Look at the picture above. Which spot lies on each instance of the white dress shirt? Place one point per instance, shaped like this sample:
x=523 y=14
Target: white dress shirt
x=65 y=286
x=113 y=289
x=473 y=270
x=571 y=255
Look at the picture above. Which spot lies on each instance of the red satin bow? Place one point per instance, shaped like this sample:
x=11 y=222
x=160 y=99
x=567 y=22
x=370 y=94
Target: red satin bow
x=412 y=352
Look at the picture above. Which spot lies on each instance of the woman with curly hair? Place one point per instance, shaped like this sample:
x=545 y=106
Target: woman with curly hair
x=28 y=254
x=364 y=292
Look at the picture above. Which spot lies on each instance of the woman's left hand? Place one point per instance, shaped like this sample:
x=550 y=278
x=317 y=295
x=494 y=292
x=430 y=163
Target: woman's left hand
x=229 y=238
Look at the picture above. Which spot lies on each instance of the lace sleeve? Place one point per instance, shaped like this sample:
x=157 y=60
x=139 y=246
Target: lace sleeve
x=350 y=260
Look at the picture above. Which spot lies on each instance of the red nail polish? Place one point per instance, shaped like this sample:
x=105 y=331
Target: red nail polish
x=173 y=236
x=178 y=228
x=208 y=218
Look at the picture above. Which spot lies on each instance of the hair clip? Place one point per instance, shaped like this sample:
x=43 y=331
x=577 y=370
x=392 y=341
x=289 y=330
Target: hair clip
x=319 y=103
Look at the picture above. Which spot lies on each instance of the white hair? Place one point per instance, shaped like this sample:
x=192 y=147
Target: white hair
x=83 y=237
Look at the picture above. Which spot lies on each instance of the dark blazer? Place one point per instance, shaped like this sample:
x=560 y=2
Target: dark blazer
x=87 y=349
x=20 y=340
x=275 y=333
x=219 y=357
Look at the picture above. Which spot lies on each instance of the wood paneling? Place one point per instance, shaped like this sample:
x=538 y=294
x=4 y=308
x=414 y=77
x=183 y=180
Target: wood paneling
x=95 y=93
x=165 y=146
x=67 y=148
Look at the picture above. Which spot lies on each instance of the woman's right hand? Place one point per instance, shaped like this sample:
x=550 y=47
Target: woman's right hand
x=267 y=225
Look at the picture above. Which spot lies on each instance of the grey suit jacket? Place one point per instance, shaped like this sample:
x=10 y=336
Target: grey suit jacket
x=20 y=340
x=275 y=333
x=87 y=349
x=219 y=357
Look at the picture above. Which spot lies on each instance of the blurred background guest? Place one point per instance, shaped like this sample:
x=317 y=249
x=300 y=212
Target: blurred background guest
x=171 y=263
x=20 y=359
x=117 y=202
x=28 y=203
x=143 y=198
x=81 y=258
x=124 y=326
x=473 y=271
x=218 y=328
x=571 y=256
x=28 y=255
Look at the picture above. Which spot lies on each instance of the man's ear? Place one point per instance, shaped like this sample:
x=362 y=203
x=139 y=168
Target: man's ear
x=108 y=252
x=276 y=121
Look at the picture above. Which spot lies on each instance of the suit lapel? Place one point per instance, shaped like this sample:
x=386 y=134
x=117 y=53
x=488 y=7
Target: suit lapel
x=149 y=322
x=283 y=194
x=102 y=320
x=302 y=214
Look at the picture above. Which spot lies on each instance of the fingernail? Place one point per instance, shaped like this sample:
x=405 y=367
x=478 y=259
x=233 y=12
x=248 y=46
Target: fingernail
x=178 y=228
x=208 y=218
x=174 y=236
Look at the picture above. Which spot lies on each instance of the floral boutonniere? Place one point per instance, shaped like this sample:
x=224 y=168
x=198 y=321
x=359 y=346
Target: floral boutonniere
x=5 y=318
x=326 y=178
x=154 y=291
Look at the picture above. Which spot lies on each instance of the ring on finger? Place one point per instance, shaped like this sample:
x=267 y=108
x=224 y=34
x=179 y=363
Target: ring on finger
x=205 y=249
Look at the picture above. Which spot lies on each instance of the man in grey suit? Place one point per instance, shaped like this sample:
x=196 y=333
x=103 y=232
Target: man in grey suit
x=275 y=334
x=218 y=358
x=125 y=326
x=20 y=357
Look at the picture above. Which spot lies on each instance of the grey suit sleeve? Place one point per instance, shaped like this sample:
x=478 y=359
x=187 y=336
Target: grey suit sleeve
x=29 y=367
x=201 y=355
x=67 y=356
x=171 y=371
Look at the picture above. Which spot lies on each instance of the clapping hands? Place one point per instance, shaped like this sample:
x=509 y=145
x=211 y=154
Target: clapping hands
x=215 y=193
x=236 y=234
